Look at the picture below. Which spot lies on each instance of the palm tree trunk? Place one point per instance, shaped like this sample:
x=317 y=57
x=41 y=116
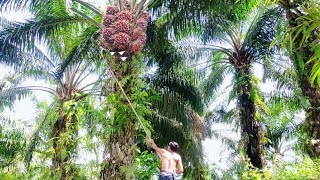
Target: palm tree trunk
x=303 y=55
x=58 y=164
x=63 y=147
x=251 y=129
x=120 y=164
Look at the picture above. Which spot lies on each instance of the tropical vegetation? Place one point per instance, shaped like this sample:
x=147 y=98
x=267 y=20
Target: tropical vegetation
x=243 y=74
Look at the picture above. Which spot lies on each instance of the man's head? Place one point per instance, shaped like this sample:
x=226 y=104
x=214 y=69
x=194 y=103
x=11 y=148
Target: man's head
x=173 y=146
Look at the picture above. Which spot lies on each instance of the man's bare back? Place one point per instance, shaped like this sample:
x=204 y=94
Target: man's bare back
x=170 y=161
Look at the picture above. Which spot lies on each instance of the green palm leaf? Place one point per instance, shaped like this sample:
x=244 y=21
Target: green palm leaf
x=181 y=86
x=20 y=37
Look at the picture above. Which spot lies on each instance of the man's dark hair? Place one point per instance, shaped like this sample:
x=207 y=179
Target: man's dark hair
x=174 y=146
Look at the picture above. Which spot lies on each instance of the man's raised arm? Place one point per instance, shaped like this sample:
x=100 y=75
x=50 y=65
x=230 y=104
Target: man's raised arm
x=155 y=147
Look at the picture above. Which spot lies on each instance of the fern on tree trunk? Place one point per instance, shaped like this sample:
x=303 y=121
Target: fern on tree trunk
x=63 y=144
x=300 y=56
x=121 y=143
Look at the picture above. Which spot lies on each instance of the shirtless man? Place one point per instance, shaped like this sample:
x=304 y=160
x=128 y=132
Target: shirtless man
x=169 y=160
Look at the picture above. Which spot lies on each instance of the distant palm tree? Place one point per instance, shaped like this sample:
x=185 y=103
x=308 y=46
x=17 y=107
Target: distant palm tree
x=245 y=49
x=70 y=79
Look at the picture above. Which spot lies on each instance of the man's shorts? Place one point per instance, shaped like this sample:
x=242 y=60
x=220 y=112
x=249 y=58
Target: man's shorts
x=167 y=176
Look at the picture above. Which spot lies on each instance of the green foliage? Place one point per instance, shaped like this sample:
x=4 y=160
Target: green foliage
x=304 y=170
x=305 y=36
x=190 y=18
x=136 y=90
x=252 y=173
x=307 y=169
x=198 y=171
x=146 y=165
x=12 y=145
x=10 y=175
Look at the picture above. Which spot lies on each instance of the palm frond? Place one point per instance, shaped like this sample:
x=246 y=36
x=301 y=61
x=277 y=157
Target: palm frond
x=262 y=33
x=17 y=93
x=16 y=39
x=181 y=86
x=93 y=21
x=40 y=8
x=25 y=61
x=91 y=7
x=215 y=78
x=86 y=47
x=7 y=5
x=34 y=139
x=161 y=50
x=192 y=15
x=9 y=92
x=218 y=28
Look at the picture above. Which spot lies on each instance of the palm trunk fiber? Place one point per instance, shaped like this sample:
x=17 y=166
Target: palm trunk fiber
x=251 y=129
x=63 y=147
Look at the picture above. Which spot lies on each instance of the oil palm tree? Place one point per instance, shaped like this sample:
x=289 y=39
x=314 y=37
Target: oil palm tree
x=177 y=115
x=245 y=49
x=68 y=79
x=302 y=19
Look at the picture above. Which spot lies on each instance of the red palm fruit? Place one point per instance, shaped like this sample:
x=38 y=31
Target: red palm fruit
x=142 y=23
x=121 y=41
x=109 y=19
x=138 y=44
x=136 y=47
x=118 y=32
x=137 y=32
x=107 y=33
x=111 y=10
x=121 y=26
x=142 y=39
x=125 y=15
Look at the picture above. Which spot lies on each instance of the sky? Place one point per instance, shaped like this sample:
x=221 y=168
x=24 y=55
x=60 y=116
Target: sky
x=215 y=150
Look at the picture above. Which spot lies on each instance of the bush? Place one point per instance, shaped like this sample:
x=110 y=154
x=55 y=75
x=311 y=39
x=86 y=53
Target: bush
x=308 y=169
x=146 y=165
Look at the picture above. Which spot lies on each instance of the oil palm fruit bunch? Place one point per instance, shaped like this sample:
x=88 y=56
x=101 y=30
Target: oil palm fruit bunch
x=124 y=27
